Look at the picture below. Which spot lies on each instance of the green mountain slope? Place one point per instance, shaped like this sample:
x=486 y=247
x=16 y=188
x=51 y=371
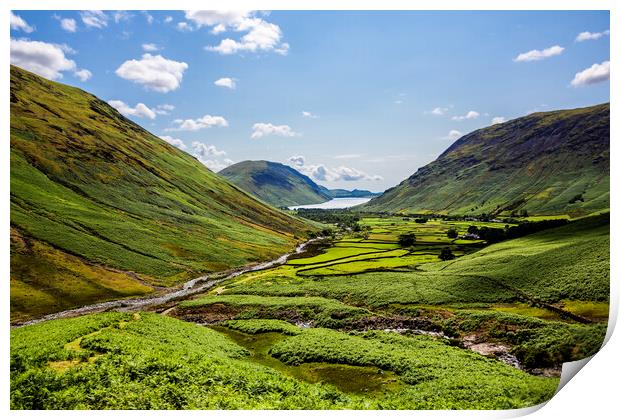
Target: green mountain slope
x=101 y=208
x=546 y=163
x=275 y=183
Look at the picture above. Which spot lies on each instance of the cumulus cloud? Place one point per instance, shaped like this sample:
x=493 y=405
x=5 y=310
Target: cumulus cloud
x=321 y=172
x=438 y=111
x=47 y=60
x=535 y=55
x=178 y=143
x=94 y=18
x=260 y=35
x=226 y=82
x=590 y=36
x=154 y=72
x=140 y=110
x=68 y=24
x=184 y=27
x=83 y=74
x=121 y=15
x=168 y=19
x=149 y=18
x=453 y=135
x=260 y=130
x=596 y=73
x=19 y=24
x=151 y=47
x=498 y=120
x=471 y=115
x=308 y=114
x=198 y=124
x=210 y=156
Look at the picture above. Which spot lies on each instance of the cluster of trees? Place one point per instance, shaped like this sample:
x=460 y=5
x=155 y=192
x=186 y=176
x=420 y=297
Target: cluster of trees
x=493 y=235
x=406 y=239
x=342 y=218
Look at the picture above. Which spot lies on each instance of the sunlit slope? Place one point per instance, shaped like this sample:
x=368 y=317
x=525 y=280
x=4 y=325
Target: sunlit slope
x=545 y=163
x=275 y=183
x=101 y=208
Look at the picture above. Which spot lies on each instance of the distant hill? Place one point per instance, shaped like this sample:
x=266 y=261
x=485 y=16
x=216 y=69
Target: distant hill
x=282 y=185
x=544 y=163
x=275 y=183
x=340 y=193
x=101 y=208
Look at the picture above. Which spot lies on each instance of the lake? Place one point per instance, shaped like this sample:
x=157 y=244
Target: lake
x=336 y=203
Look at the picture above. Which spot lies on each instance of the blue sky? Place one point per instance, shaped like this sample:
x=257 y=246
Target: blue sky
x=353 y=99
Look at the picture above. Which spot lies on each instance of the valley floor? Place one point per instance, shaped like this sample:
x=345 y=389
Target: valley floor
x=359 y=322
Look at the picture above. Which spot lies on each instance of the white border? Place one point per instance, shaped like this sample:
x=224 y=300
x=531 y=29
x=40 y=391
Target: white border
x=591 y=394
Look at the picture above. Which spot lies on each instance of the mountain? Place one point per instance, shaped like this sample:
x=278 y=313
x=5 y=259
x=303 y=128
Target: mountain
x=275 y=183
x=340 y=193
x=101 y=208
x=545 y=163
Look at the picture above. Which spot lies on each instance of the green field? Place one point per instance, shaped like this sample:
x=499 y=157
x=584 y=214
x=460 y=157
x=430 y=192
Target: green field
x=360 y=323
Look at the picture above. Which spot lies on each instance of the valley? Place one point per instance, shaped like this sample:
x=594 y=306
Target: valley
x=360 y=319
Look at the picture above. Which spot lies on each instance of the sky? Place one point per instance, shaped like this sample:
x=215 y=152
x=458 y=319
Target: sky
x=352 y=99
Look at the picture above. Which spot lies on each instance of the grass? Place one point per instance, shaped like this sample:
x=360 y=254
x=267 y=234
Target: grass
x=149 y=361
x=89 y=185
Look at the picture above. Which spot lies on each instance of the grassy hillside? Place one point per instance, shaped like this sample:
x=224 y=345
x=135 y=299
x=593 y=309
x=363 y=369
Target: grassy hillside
x=546 y=163
x=101 y=208
x=149 y=361
x=275 y=183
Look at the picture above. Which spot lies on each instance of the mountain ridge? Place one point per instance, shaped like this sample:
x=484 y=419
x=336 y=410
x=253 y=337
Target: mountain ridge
x=544 y=163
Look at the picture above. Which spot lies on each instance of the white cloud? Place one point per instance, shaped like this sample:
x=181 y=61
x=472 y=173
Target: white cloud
x=439 y=111
x=226 y=82
x=308 y=114
x=47 y=60
x=535 y=55
x=453 y=135
x=178 y=143
x=163 y=109
x=94 y=18
x=154 y=72
x=151 y=47
x=19 y=24
x=589 y=36
x=68 y=25
x=471 y=115
x=198 y=124
x=266 y=129
x=184 y=27
x=321 y=172
x=498 y=120
x=141 y=110
x=83 y=74
x=594 y=74
x=149 y=18
x=168 y=19
x=210 y=156
x=260 y=35
x=121 y=15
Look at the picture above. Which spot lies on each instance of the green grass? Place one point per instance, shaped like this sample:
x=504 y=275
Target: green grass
x=439 y=376
x=149 y=361
x=96 y=187
x=257 y=326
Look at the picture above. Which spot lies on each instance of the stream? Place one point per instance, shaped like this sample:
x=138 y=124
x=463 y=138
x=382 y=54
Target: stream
x=191 y=287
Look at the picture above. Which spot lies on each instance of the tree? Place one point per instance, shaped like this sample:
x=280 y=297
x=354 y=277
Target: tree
x=421 y=220
x=406 y=239
x=452 y=233
x=473 y=230
x=446 y=254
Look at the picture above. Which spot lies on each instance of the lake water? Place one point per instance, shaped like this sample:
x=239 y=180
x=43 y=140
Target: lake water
x=336 y=203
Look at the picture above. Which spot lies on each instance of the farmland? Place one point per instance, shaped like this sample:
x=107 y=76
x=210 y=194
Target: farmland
x=361 y=321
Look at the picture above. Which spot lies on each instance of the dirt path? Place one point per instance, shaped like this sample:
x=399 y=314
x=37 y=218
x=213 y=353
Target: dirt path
x=192 y=287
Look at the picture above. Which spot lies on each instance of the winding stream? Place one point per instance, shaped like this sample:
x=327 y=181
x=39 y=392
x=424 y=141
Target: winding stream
x=191 y=287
